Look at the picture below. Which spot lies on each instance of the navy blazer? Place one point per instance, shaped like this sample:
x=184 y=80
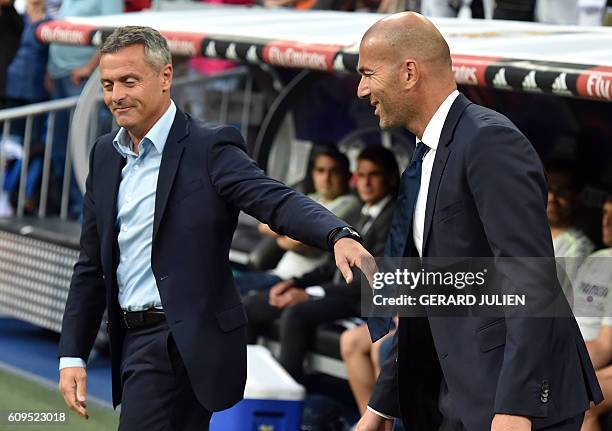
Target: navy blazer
x=205 y=179
x=487 y=198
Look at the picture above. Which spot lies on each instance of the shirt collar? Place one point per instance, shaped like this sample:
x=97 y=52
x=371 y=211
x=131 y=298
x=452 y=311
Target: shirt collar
x=431 y=135
x=157 y=135
x=375 y=210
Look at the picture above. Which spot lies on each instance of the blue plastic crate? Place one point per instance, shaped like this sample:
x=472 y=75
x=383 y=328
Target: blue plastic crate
x=273 y=401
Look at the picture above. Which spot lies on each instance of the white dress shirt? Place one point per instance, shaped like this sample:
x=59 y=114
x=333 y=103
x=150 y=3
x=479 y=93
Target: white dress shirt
x=373 y=211
x=431 y=138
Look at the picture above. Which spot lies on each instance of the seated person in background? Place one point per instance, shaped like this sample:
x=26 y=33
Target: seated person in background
x=362 y=359
x=330 y=175
x=593 y=311
x=322 y=295
x=570 y=244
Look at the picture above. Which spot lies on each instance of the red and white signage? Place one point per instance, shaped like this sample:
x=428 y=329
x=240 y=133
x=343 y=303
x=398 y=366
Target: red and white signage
x=188 y=44
x=470 y=69
x=596 y=83
x=306 y=56
x=64 y=32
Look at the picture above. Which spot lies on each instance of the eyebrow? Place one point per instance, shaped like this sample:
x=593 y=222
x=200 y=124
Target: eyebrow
x=121 y=78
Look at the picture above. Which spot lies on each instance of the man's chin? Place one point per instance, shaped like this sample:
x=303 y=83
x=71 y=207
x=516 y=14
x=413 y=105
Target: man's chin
x=123 y=122
x=384 y=125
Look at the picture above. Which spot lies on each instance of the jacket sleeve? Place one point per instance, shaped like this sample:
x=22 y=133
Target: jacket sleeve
x=502 y=164
x=384 y=397
x=241 y=183
x=86 y=297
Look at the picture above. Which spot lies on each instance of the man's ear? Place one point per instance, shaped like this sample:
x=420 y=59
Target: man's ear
x=410 y=73
x=166 y=77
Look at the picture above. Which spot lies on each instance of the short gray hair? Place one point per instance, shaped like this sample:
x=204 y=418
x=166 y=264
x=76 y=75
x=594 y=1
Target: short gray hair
x=157 y=52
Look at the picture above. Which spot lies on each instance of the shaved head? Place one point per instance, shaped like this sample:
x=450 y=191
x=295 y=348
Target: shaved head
x=409 y=34
x=406 y=71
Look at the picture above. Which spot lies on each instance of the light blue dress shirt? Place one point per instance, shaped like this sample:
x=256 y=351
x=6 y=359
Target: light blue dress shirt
x=135 y=212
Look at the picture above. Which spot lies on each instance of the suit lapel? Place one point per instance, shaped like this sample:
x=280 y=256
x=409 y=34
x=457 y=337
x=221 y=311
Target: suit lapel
x=111 y=186
x=442 y=153
x=108 y=200
x=171 y=157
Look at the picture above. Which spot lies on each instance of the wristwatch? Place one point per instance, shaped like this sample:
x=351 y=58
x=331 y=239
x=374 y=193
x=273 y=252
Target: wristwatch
x=343 y=232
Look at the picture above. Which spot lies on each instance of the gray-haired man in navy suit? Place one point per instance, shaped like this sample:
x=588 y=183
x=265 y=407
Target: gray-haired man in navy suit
x=160 y=208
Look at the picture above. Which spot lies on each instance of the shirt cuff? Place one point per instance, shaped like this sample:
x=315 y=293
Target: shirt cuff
x=67 y=362
x=315 y=291
x=380 y=414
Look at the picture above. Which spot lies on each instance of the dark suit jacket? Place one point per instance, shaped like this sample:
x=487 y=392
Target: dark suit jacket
x=205 y=178
x=487 y=197
x=373 y=240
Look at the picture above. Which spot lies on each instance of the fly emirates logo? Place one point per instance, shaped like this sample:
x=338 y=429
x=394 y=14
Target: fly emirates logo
x=599 y=86
x=60 y=35
x=292 y=57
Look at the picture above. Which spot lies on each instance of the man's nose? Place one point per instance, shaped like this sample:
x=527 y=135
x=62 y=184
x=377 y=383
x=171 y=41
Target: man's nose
x=118 y=93
x=362 y=90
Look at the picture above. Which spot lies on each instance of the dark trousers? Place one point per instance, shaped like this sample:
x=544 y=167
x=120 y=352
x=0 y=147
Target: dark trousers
x=156 y=391
x=297 y=324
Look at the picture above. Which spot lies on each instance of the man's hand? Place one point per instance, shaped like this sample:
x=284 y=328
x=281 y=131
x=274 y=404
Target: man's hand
x=79 y=74
x=73 y=387
x=291 y=297
x=370 y=421
x=510 y=423
x=277 y=290
x=350 y=253
x=264 y=229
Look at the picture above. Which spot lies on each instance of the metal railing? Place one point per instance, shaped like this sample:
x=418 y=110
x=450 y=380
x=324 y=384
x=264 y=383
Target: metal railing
x=83 y=127
x=37 y=256
x=29 y=112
